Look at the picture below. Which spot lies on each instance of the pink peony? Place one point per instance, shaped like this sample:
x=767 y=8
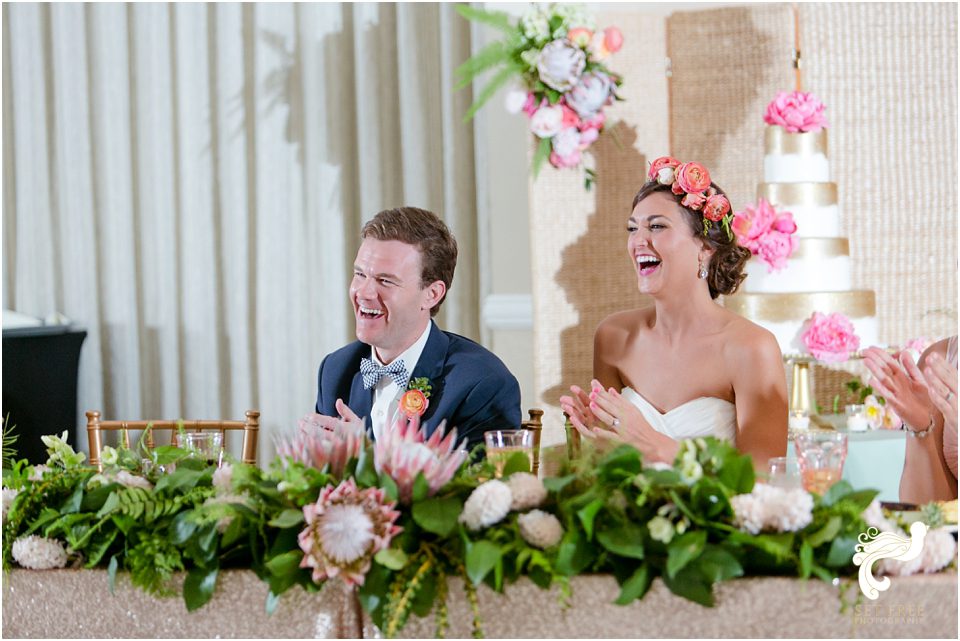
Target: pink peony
x=588 y=137
x=570 y=117
x=593 y=122
x=564 y=162
x=660 y=163
x=547 y=121
x=830 y=338
x=346 y=527
x=775 y=248
x=796 y=112
x=404 y=451
x=692 y=177
x=767 y=233
x=530 y=106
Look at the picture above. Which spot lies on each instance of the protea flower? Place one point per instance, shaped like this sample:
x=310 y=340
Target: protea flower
x=319 y=447
x=346 y=527
x=404 y=451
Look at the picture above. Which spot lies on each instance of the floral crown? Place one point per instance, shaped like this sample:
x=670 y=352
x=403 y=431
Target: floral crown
x=691 y=180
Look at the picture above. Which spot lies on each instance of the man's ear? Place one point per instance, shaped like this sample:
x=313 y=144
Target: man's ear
x=433 y=294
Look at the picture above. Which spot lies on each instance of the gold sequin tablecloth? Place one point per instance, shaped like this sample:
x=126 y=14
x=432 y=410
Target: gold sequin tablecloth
x=78 y=604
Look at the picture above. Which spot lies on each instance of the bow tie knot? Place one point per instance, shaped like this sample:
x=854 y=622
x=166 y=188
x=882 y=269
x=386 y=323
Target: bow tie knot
x=372 y=373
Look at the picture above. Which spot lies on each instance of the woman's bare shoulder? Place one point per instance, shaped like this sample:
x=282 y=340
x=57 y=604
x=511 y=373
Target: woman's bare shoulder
x=621 y=327
x=746 y=339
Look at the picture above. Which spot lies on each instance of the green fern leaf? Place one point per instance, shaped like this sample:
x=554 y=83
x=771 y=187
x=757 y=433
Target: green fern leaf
x=496 y=19
x=493 y=54
x=492 y=87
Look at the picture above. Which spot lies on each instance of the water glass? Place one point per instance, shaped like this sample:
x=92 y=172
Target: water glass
x=502 y=444
x=821 y=456
x=783 y=472
x=205 y=445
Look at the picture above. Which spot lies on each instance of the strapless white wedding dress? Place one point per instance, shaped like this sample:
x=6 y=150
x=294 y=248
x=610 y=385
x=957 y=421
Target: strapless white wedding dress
x=703 y=416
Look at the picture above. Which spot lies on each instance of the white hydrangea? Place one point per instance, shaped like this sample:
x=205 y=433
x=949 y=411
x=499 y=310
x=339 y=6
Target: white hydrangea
x=487 y=504
x=769 y=507
x=39 y=553
x=535 y=26
x=939 y=549
x=8 y=496
x=540 y=529
x=527 y=490
x=223 y=478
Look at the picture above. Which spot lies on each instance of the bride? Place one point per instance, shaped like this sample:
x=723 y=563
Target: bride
x=683 y=367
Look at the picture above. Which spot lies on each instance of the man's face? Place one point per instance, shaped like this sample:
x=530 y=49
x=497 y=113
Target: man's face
x=391 y=308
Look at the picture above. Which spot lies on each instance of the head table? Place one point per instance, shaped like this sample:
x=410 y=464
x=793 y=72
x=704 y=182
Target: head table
x=78 y=604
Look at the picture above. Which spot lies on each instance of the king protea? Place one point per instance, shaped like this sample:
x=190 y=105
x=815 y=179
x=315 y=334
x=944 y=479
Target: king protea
x=319 y=447
x=404 y=451
x=346 y=527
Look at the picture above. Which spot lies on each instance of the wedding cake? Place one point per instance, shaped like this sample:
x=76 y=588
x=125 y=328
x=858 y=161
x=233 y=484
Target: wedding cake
x=801 y=263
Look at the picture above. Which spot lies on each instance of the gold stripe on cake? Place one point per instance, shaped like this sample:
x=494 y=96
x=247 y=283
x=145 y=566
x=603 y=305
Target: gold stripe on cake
x=778 y=141
x=786 y=307
x=804 y=194
x=821 y=248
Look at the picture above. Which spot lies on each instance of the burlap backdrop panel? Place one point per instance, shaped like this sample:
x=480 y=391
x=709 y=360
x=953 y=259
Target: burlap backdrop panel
x=581 y=271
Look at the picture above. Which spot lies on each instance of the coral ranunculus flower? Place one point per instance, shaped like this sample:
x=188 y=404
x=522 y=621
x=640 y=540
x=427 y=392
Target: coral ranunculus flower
x=693 y=177
x=404 y=451
x=413 y=403
x=346 y=527
x=660 y=163
x=716 y=207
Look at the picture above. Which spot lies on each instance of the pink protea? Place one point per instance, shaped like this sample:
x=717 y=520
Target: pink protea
x=346 y=527
x=317 y=446
x=404 y=451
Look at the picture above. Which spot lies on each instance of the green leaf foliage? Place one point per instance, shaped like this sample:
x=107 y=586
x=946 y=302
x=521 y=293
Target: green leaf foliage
x=482 y=556
x=438 y=515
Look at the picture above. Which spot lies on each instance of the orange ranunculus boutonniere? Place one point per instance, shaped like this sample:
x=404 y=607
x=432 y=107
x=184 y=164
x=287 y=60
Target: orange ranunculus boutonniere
x=414 y=401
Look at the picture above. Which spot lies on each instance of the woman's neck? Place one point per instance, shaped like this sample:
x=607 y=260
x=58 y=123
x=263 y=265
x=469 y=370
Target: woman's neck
x=680 y=316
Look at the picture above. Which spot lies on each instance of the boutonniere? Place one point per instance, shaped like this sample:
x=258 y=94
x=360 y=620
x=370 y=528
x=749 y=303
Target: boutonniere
x=414 y=401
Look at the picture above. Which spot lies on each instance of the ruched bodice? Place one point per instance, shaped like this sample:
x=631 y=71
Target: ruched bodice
x=703 y=416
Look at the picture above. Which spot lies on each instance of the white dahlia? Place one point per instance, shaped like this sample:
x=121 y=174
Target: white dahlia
x=527 y=490
x=346 y=527
x=39 y=553
x=487 y=504
x=540 y=529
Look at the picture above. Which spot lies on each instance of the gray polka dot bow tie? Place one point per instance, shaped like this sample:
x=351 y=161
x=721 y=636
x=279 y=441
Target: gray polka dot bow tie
x=372 y=373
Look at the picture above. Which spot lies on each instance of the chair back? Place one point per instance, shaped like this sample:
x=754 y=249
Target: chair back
x=95 y=428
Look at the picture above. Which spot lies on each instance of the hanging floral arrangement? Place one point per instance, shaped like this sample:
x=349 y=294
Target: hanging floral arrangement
x=556 y=58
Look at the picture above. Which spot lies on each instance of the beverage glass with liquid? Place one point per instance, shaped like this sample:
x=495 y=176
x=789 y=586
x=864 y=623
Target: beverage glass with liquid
x=205 y=445
x=502 y=444
x=821 y=456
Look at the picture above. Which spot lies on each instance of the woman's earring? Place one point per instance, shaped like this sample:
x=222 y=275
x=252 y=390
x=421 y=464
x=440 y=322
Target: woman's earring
x=702 y=274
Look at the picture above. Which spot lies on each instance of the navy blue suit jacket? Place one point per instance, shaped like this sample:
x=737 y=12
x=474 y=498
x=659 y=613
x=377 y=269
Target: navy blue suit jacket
x=471 y=388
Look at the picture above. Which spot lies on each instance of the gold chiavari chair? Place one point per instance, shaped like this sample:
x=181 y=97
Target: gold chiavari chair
x=96 y=427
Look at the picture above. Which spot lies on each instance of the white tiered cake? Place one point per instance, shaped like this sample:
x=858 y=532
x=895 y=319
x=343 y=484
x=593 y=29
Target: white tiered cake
x=796 y=173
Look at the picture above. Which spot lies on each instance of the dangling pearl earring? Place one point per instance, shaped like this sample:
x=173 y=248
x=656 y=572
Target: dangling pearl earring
x=702 y=274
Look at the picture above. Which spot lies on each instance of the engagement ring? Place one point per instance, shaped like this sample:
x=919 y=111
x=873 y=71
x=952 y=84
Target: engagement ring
x=616 y=422
x=948 y=396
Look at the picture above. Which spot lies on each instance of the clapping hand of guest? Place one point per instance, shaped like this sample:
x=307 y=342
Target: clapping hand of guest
x=941 y=381
x=577 y=407
x=902 y=385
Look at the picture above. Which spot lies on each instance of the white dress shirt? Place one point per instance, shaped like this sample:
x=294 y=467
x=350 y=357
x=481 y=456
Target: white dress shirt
x=386 y=393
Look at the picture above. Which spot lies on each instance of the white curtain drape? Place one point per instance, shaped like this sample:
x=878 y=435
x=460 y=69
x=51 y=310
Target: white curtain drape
x=187 y=183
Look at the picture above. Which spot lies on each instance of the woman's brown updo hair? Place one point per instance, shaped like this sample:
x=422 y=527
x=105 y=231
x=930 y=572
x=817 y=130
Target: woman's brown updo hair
x=725 y=271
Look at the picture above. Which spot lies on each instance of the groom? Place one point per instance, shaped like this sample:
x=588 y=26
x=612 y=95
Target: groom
x=402 y=272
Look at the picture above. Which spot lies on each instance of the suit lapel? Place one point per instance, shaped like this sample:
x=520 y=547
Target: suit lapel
x=361 y=400
x=430 y=366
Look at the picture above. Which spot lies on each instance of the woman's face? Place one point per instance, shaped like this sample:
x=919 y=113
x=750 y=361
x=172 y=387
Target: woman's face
x=664 y=252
